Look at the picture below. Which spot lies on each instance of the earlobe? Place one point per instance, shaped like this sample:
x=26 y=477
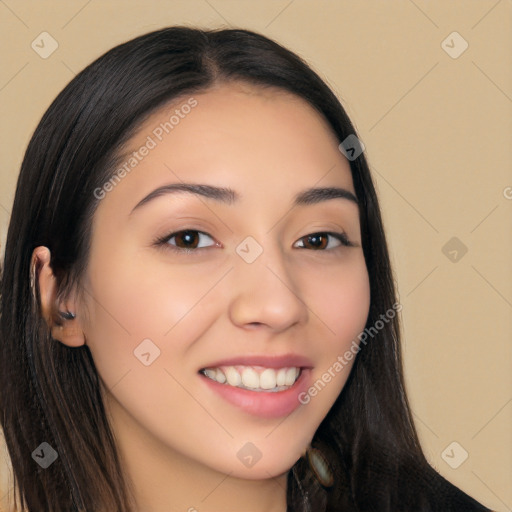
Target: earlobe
x=61 y=318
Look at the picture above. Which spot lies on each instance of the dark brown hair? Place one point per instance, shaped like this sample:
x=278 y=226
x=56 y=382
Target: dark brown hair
x=51 y=393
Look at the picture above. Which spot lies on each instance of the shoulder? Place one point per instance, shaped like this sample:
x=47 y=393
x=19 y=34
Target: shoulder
x=422 y=488
x=448 y=497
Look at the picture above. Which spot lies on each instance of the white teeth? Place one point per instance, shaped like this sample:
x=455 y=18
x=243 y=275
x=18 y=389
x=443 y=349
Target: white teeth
x=291 y=374
x=247 y=377
x=210 y=373
x=220 y=377
x=250 y=378
x=281 y=377
x=268 y=379
x=233 y=377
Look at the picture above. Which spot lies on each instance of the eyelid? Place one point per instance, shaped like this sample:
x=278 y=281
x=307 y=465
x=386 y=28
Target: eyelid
x=164 y=241
x=341 y=236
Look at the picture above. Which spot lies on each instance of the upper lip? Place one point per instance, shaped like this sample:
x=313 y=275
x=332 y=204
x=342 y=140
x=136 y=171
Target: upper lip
x=281 y=361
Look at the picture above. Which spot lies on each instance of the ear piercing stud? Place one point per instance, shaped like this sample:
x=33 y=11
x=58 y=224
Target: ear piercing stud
x=67 y=315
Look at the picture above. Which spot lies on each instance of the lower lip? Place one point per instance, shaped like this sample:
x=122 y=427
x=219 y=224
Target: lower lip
x=260 y=403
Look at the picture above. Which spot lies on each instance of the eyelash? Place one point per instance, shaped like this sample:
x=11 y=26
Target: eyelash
x=164 y=241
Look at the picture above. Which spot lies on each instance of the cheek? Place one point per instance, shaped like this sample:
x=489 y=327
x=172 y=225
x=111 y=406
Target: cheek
x=143 y=316
x=132 y=300
x=340 y=299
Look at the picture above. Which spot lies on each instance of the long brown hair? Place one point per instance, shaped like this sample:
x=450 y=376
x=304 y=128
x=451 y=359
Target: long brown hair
x=51 y=393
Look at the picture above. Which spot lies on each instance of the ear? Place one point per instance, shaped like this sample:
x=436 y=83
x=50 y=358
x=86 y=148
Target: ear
x=64 y=327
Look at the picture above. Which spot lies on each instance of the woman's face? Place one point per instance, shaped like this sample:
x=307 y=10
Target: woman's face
x=263 y=294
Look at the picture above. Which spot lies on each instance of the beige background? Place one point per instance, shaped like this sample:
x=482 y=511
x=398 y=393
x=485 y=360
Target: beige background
x=437 y=134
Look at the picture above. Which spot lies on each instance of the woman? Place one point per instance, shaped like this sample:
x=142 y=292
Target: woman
x=198 y=309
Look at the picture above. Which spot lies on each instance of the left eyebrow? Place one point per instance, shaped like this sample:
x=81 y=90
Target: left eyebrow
x=229 y=196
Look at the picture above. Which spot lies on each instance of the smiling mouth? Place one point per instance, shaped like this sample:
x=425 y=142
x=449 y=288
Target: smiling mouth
x=254 y=378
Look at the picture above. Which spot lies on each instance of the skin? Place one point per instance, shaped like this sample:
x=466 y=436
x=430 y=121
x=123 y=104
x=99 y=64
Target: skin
x=178 y=440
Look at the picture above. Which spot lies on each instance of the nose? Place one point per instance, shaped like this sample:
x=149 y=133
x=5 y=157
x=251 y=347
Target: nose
x=266 y=293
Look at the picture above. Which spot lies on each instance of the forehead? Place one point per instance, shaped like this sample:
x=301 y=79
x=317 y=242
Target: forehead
x=230 y=101
x=235 y=135
x=244 y=116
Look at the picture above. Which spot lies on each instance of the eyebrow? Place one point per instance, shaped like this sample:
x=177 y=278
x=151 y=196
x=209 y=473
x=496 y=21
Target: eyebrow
x=229 y=196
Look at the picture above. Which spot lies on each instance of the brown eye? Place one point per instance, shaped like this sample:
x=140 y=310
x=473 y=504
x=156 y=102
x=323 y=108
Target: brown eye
x=187 y=240
x=320 y=241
